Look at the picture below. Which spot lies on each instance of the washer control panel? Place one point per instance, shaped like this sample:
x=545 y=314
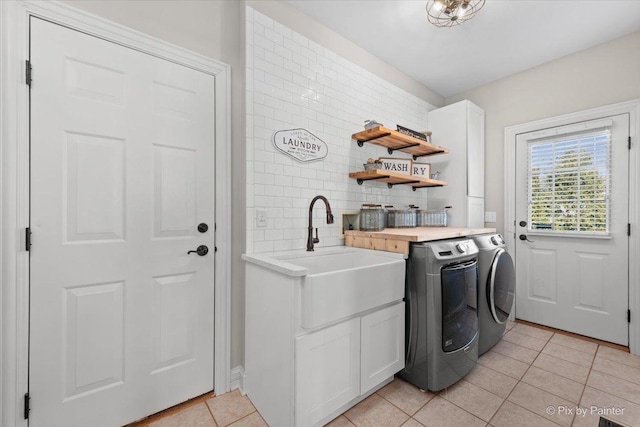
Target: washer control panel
x=453 y=249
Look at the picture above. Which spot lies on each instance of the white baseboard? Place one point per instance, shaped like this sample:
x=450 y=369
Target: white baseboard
x=237 y=378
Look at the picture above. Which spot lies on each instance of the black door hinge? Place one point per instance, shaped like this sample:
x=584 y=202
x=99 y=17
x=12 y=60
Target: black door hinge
x=28 y=73
x=629 y=140
x=628 y=316
x=27 y=406
x=628 y=229
x=27 y=239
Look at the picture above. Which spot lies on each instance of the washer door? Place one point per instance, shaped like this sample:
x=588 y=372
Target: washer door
x=501 y=286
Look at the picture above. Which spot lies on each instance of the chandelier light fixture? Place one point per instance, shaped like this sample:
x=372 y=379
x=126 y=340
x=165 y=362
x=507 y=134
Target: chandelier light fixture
x=447 y=13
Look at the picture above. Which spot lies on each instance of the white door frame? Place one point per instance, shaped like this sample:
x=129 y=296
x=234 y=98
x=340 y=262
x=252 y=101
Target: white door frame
x=14 y=190
x=629 y=107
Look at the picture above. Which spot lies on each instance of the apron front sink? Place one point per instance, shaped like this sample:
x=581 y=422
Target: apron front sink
x=341 y=284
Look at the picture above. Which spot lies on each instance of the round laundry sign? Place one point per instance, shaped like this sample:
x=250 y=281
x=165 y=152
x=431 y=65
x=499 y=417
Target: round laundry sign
x=300 y=144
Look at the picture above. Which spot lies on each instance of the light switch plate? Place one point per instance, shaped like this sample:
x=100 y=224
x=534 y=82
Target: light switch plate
x=261 y=218
x=490 y=217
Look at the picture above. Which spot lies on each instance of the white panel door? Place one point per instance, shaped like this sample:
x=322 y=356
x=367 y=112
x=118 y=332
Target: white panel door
x=327 y=371
x=382 y=346
x=121 y=175
x=567 y=278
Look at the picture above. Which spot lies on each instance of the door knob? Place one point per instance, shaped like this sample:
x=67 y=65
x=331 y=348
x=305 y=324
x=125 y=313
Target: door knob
x=523 y=237
x=201 y=250
x=523 y=223
x=202 y=227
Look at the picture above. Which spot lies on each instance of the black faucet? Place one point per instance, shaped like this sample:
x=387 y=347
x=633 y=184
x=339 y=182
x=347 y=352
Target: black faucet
x=311 y=240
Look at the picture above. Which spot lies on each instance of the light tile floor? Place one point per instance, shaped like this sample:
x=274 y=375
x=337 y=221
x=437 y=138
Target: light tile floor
x=532 y=377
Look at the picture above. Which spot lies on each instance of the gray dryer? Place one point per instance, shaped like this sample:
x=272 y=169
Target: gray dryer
x=496 y=289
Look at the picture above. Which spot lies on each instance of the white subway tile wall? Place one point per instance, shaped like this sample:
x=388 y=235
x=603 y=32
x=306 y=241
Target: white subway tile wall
x=293 y=82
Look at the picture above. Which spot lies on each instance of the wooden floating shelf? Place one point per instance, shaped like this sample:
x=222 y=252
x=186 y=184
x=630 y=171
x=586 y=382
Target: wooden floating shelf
x=395 y=178
x=394 y=140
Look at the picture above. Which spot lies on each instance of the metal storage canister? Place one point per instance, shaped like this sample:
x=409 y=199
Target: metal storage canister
x=387 y=208
x=432 y=218
x=371 y=217
x=401 y=218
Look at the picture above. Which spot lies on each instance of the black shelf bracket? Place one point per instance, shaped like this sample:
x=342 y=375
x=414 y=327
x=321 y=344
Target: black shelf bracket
x=361 y=180
x=382 y=135
x=402 y=147
x=415 y=156
x=390 y=185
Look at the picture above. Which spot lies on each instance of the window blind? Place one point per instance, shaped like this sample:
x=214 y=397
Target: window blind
x=569 y=183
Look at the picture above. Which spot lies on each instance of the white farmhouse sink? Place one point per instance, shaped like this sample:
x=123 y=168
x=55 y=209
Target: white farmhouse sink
x=346 y=282
x=318 y=263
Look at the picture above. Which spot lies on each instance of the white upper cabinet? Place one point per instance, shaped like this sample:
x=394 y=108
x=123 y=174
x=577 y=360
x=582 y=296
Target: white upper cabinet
x=475 y=150
x=460 y=127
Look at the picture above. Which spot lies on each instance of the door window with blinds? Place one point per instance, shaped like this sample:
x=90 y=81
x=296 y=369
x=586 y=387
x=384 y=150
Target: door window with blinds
x=569 y=183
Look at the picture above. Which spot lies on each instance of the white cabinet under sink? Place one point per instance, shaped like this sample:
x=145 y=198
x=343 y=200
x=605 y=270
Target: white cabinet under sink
x=381 y=345
x=304 y=373
x=327 y=371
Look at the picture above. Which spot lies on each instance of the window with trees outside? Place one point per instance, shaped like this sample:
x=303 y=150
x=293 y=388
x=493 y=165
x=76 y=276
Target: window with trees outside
x=569 y=181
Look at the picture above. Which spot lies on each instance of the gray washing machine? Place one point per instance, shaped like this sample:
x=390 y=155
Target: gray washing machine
x=496 y=289
x=441 y=313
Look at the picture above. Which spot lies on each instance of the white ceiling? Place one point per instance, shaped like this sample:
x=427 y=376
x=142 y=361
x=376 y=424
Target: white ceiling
x=506 y=37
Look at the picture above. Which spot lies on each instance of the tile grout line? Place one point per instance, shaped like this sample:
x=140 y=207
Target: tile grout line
x=245 y=416
x=436 y=394
x=576 y=349
x=584 y=388
x=169 y=412
x=568 y=361
x=576 y=336
x=517 y=345
x=514 y=387
x=609 y=392
x=513 y=358
x=460 y=407
x=546 y=340
x=211 y=413
x=393 y=404
x=547 y=391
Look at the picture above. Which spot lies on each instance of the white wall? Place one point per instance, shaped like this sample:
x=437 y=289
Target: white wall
x=602 y=75
x=294 y=19
x=293 y=82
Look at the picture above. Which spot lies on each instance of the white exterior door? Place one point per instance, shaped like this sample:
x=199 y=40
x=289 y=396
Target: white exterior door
x=572 y=208
x=121 y=317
